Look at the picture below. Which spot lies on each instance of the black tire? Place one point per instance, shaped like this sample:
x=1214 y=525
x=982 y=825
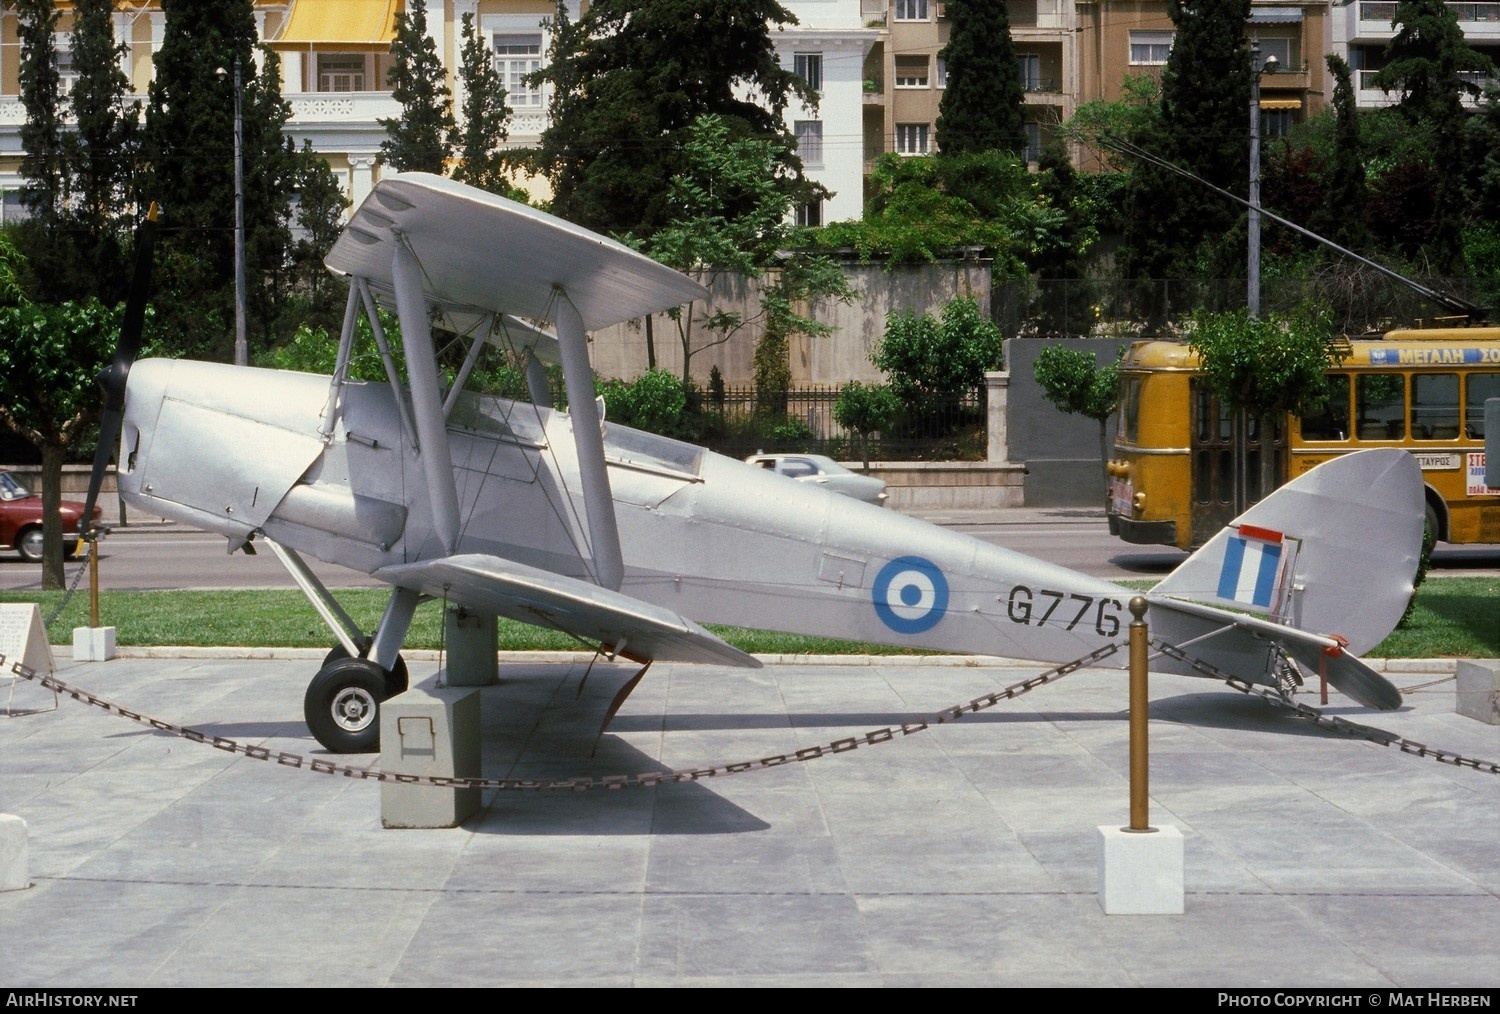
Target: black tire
x=396 y=679
x=342 y=705
x=29 y=543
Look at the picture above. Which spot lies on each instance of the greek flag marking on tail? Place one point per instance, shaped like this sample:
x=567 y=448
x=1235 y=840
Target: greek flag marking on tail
x=1251 y=562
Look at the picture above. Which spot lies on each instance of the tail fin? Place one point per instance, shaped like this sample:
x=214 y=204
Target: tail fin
x=1332 y=555
x=1335 y=550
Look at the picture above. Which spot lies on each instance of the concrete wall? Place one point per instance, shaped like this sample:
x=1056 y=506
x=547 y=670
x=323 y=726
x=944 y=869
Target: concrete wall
x=1061 y=451
x=843 y=356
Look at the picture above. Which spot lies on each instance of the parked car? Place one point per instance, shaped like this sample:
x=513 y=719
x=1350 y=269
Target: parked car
x=824 y=471
x=21 y=519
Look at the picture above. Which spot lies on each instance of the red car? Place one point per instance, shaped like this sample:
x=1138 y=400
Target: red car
x=21 y=519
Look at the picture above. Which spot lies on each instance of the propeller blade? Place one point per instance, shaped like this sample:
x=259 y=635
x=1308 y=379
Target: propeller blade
x=113 y=377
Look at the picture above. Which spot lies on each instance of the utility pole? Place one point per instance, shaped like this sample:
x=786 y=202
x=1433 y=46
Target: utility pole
x=241 y=345
x=1252 y=222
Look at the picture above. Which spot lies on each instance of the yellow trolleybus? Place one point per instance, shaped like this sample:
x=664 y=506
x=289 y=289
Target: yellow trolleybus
x=1171 y=478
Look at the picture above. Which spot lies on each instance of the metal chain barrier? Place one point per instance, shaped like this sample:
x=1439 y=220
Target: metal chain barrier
x=83 y=566
x=1368 y=732
x=580 y=784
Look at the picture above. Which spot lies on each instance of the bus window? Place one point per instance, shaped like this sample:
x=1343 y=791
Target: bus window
x=1482 y=387
x=1380 y=406
x=1130 y=405
x=1330 y=421
x=1434 y=406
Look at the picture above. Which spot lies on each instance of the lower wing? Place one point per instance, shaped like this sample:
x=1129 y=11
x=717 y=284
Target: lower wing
x=626 y=626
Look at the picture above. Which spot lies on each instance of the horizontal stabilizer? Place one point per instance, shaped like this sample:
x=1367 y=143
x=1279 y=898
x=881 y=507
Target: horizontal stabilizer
x=628 y=626
x=1240 y=645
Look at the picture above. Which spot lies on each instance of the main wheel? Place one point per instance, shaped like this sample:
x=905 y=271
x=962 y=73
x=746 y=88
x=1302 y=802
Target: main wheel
x=396 y=680
x=29 y=544
x=342 y=705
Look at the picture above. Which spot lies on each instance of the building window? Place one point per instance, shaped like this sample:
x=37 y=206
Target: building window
x=941 y=76
x=809 y=134
x=810 y=214
x=911 y=138
x=1275 y=122
x=1279 y=48
x=809 y=67
x=67 y=74
x=911 y=10
x=1033 y=152
x=341 y=72
x=911 y=72
x=1029 y=69
x=517 y=55
x=1150 y=49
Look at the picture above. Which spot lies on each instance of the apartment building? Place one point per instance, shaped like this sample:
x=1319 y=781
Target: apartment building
x=1120 y=38
x=1362 y=29
x=875 y=65
x=335 y=57
x=905 y=75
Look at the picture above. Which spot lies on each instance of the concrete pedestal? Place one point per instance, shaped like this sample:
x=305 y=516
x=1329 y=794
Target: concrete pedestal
x=1140 y=872
x=14 y=854
x=1479 y=689
x=93 y=644
x=429 y=731
x=473 y=649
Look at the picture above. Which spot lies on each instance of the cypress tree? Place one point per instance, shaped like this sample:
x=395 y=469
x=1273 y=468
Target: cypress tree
x=478 y=142
x=981 y=107
x=417 y=140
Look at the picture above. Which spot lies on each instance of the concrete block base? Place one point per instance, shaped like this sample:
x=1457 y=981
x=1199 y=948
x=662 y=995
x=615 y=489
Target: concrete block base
x=1479 y=689
x=14 y=856
x=429 y=731
x=93 y=644
x=1140 y=872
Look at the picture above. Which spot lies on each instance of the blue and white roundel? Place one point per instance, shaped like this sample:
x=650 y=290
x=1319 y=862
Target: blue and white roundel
x=910 y=594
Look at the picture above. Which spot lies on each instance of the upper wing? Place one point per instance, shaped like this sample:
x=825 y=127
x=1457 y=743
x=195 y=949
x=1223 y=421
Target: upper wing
x=630 y=627
x=482 y=252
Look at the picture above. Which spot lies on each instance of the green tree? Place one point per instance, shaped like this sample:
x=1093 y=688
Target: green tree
x=1432 y=67
x=1344 y=221
x=630 y=78
x=728 y=216
x=1262 y=368
x=931 y=362
x=479 y=142
x=1175 y=225
x=320 y=218
x=866 y=409
x=922 y=209
x=50 y=355
x=1074 y=382
x=44 y=191
x=188 y=148
x=981 y=107
x=100 y=154
x=418 y=139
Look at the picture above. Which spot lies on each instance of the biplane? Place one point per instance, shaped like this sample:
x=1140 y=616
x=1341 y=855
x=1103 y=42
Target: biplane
x=630 y=541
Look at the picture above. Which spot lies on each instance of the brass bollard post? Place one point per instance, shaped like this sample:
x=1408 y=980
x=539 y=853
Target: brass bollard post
x=1139 y=761
x=94 y=582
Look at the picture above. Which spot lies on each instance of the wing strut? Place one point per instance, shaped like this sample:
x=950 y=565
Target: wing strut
x=588 y=436
x=426 y=399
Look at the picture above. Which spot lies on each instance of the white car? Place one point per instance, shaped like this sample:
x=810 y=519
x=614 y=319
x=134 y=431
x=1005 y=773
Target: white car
x=824 y=471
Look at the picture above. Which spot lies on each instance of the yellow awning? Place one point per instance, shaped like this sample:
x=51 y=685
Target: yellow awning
x=1281 y=103
x=339 y=24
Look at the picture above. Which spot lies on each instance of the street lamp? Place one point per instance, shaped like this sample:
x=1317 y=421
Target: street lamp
x=241 y=347
x=1252 y=270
